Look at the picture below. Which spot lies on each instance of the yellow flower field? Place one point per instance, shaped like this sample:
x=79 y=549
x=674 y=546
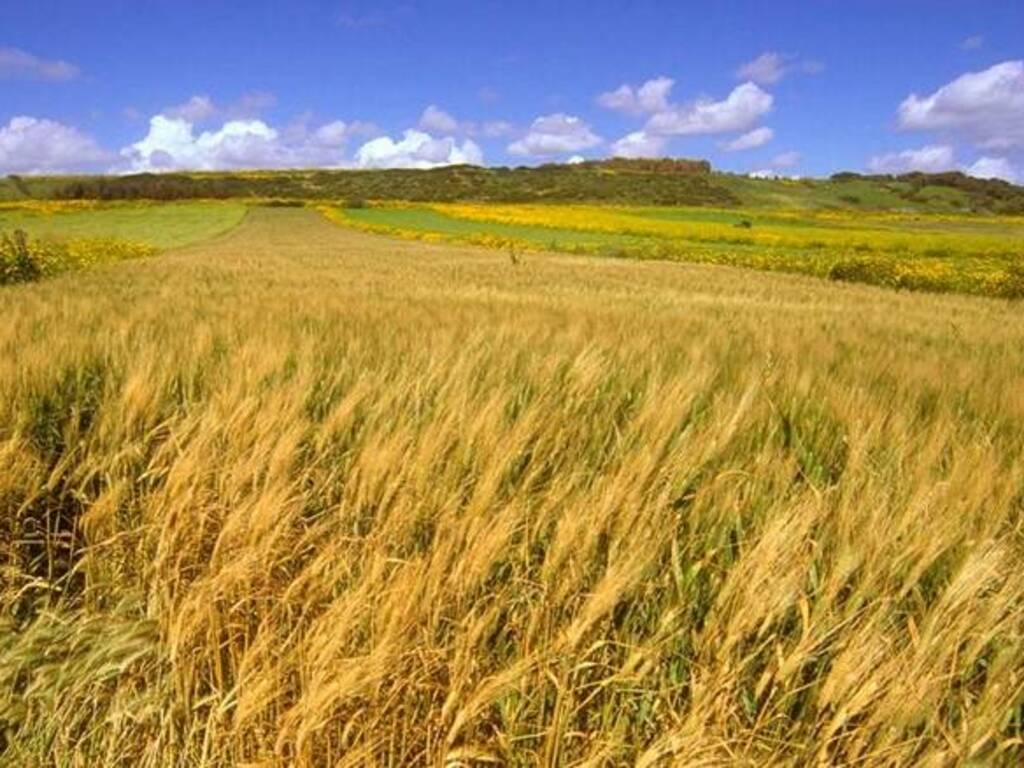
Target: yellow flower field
x=845 y=230
x=977 y=255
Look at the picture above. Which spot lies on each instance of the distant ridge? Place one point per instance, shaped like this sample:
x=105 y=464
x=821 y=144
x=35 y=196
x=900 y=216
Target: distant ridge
x=654 y=181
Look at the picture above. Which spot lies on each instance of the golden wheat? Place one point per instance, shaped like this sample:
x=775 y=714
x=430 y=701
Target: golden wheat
x=306 y=496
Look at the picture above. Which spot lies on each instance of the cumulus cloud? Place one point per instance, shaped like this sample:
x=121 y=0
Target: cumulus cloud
x=739 y=111
x=639 y=144
x=986 y=107
x=16 y=64
x=934 y=158
x=994 y=168
x=648 y=98
x=35 y=145
x=417 y=149
x=750 y=140
x=173 y=144
x=555 y=134
x=434 y=119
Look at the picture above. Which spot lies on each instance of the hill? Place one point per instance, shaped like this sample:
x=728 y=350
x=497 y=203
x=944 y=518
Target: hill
x=648 y=182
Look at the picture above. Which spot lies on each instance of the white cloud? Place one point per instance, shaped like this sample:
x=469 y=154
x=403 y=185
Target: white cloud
x=197 y=109
x=755 y=138
x=172 y=144
x=497 y=128
x=333 y=134
x=770 y=67
x=972 y=43
x=743 y=107
x=639 y=144
x=931 y=159
x=18 y=64
x=576 y=160
x=986 y=107
x=30 y=145
x=34 y=145
x=778 y=163
x=939 y=158
x=786 y=159
x=201 y=108
x=251 y=104
x=994 y=168
x=554 y=135
x=648 y=98
x=766 y=69
x=417 y=149
x=436 y=120
x=738 y=112
x=773 y=173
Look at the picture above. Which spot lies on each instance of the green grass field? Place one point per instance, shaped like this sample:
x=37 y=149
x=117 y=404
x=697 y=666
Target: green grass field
x=165 y=225
x=947 y=253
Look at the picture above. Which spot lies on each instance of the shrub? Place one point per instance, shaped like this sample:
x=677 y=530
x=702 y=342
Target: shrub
x=1010 y=284
x=24 y=259
x=18 y=263
x=873 y=272
x=283 y=204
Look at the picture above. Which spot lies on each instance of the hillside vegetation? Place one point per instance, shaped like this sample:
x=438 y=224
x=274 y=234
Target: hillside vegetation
x=644 y=182
x=306 y=496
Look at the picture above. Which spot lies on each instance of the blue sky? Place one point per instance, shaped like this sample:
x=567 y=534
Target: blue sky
x=801 y=88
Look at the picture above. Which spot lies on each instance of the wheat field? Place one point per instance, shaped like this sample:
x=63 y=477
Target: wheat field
x=303 y=496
